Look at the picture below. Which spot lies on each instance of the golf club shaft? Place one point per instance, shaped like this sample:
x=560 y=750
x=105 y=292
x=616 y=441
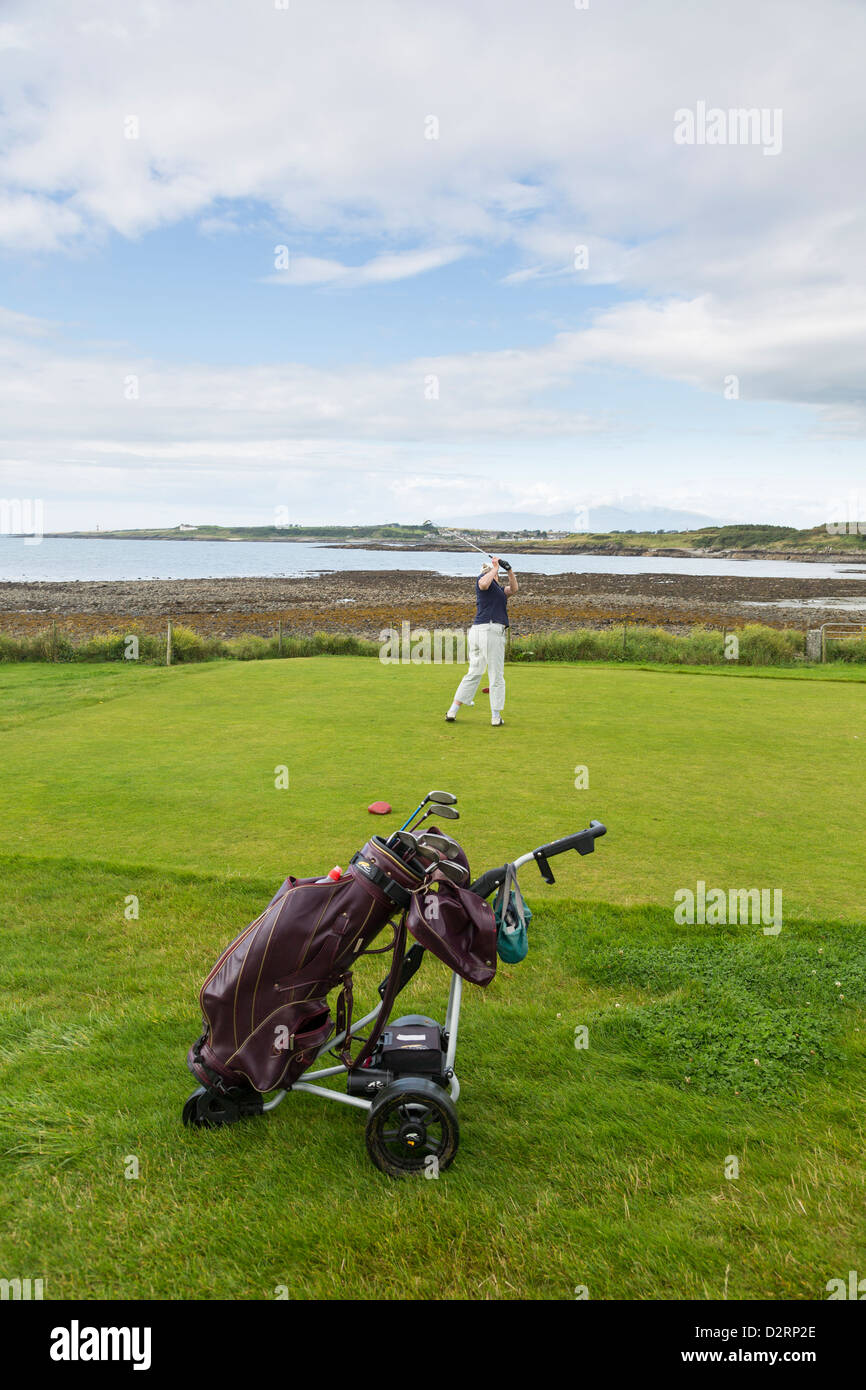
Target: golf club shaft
x=486 y=553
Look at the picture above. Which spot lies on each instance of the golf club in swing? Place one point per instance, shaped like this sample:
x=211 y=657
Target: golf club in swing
x=456 y=536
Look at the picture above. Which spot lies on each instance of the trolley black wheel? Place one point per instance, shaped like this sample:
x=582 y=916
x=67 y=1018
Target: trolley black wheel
x=207 y=1109
x=412 y=1128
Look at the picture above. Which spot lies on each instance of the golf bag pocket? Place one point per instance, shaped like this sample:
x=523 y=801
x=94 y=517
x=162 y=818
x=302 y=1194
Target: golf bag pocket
x=284 y=1044
x=456 y=926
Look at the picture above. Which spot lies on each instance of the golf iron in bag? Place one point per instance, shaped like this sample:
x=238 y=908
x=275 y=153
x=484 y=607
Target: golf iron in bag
x=265 y=1010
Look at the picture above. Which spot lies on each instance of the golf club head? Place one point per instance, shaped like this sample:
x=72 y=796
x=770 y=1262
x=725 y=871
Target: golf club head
x=443 y=843
x=455 y=872
x=420 y=867
x=427 y=853
x=404 y=842
x=442 y=798
x=445 y=812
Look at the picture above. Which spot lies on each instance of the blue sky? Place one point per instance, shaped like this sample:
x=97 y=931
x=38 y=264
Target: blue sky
x=211 y=294
x=413 y=260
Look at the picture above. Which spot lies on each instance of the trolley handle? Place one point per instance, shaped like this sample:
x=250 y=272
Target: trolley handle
x=583 y=842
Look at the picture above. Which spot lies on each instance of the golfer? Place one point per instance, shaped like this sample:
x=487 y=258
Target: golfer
x=487 y=642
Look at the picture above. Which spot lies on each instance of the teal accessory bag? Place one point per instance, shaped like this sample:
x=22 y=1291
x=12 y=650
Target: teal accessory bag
x=512 y=919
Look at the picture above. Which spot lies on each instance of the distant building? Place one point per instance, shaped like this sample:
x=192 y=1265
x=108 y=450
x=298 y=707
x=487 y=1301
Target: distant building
x=185 y=527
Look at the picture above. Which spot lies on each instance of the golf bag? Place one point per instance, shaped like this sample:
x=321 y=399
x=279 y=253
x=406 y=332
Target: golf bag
x=264 y=1004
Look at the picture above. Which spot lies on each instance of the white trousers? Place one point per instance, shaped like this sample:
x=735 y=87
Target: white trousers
x=486 y=653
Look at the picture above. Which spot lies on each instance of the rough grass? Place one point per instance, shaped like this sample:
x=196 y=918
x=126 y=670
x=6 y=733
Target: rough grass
x=601 y=1166
x=135 y=645
x=755 y=645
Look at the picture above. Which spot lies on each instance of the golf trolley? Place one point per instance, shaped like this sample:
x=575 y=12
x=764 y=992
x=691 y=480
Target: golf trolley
x=406 y=1081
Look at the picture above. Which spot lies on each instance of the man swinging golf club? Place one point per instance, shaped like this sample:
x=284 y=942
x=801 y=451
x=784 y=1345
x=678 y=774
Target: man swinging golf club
x=487 y=641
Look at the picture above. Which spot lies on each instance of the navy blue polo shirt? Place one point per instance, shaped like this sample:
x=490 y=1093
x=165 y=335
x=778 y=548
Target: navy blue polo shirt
x=492 y=605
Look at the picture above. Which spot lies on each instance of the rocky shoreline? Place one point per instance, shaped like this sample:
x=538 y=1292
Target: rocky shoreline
x=364 y=602
x=508 y=547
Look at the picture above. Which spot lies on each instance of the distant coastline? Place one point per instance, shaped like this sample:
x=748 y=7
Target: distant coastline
x=746 y=542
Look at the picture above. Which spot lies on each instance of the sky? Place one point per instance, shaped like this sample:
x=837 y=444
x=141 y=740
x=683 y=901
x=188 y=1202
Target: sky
x=396 y=261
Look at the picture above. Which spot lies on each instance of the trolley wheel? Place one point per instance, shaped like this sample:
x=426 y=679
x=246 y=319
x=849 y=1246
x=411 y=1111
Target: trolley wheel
x=207 y=1109
x=412 y=1128
x=204 y=1109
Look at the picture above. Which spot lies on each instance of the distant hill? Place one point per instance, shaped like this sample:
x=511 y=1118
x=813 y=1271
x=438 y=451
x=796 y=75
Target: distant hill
x=595 y=520
x=741 y=537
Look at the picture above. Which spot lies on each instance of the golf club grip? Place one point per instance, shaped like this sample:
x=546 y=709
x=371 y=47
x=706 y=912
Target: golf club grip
x=583 y=841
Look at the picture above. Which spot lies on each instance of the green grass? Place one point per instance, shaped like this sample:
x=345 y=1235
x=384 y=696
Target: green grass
x=603 y=1166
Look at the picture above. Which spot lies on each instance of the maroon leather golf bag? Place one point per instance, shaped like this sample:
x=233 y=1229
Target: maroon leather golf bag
x=264 y=1004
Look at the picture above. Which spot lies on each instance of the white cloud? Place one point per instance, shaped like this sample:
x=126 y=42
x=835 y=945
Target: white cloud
x=12 y=37
x=313 y=270
x=546 y=115
x=555 y=130
x=258 y=429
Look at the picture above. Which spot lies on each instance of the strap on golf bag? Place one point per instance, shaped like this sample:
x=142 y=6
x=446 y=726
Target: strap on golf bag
x=374 y=874
x=388 y=995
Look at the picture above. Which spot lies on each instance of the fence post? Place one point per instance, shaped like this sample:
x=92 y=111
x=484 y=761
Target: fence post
x=54 y=641
x=280 y=637
x=168 y=644
x=624 y=631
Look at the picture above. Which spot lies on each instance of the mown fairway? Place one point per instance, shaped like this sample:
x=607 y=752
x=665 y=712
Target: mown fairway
x=602 y=1167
